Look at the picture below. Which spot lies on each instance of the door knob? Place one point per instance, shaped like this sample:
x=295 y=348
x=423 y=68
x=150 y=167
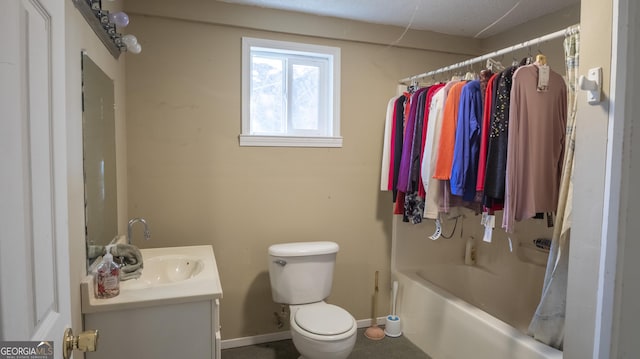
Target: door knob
x=87 y=341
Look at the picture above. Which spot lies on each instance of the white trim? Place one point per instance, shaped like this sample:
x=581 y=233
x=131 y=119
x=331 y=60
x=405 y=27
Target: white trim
x=256 y=339
x=289 y=141
x=290 y=47
x=332 y=94
x=613 y=182
x=246 y=84
x=284 y=335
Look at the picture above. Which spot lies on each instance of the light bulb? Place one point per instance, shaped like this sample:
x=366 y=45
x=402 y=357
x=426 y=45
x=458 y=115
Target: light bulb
x=129 y=40
x=135 y=49
x=121 y=19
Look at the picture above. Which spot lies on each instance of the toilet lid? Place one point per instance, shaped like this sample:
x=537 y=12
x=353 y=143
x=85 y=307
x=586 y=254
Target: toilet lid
x=325 y=319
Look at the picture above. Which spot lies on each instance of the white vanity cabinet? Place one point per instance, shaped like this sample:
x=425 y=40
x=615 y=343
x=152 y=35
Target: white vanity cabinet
x=159 y=319
x=183 y=330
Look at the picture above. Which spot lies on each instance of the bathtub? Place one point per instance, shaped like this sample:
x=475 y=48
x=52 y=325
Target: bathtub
x=445 y=311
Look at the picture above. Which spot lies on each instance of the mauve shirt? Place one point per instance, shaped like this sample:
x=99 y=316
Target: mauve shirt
x=537 y=125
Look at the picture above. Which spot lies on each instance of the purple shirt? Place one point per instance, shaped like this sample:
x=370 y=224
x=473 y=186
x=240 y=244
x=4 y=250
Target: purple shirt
x=407 y=143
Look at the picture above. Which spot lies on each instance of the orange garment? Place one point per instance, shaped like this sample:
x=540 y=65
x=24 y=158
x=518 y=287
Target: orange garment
x=448 y=133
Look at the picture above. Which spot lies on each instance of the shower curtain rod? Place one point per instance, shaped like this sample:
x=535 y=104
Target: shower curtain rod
x=568 y=31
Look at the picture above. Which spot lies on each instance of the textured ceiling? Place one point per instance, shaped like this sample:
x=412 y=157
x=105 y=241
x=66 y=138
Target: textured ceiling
x=471 y=18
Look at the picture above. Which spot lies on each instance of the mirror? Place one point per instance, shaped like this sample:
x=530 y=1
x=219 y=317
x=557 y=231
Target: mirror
x=99 y=155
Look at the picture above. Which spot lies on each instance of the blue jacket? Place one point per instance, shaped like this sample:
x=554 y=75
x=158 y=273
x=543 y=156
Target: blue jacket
x=464 y=171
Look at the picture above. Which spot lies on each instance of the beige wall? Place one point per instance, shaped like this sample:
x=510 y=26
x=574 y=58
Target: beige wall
x=589 y=187
x=80 y=37
x=193 y=182
x=543 y=25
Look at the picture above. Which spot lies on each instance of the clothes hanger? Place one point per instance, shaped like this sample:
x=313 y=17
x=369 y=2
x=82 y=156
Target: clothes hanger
x=413 y=86
x=529 y=56
x=455 y=76
x=470 y=75
x=494 y=65
x=541 y=59
x=527 y=60
x=515 y=62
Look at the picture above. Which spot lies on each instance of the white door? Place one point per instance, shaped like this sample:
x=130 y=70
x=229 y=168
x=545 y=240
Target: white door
x=34 y=253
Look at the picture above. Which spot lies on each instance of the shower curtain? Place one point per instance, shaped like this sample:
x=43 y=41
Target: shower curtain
x=547 y=324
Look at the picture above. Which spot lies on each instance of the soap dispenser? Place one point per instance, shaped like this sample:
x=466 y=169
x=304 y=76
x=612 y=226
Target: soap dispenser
x=106 y=279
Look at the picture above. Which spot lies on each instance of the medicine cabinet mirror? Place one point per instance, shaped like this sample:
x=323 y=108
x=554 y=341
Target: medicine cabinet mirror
x=99 y=155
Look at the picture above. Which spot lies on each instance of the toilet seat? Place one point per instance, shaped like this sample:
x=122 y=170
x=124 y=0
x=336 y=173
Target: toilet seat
x=324 y=319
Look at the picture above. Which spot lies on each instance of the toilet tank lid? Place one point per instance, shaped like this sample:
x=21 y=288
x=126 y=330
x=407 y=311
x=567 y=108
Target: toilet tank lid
x=299 y=249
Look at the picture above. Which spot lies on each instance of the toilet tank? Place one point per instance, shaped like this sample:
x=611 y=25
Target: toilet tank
x=301 y=272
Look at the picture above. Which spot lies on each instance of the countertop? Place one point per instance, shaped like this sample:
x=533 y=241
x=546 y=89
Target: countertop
x=203 y=286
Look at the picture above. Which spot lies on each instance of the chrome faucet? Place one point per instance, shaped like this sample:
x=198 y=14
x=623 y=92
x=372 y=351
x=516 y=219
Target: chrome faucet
x=147 y=233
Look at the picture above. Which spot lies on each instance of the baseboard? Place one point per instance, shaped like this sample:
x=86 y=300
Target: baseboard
x=284 y=335
x=256 y=339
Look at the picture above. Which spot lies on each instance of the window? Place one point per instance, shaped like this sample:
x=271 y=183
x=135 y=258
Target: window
x=290 y=94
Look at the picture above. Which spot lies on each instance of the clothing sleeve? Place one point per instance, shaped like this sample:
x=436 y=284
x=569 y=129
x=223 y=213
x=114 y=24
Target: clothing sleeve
x=448 y=132
x=475 y=131
x=398 y=130
x=484 y=135
x=427 y=162
x=511 y=179
x=405 y=161
x=460 y=155
x=426 y=127
x=386 y=147
x=562 y=115
x=432 y=185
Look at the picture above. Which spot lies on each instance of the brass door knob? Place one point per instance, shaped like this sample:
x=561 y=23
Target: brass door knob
x=87 y=341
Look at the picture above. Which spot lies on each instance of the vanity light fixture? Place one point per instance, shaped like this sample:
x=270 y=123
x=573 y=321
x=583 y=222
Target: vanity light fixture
x=132 y=43
x=105 y=25
x=120 y=18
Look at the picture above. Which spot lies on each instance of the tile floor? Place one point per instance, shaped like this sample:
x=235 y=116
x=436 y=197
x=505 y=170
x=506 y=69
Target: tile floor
x=387 y=348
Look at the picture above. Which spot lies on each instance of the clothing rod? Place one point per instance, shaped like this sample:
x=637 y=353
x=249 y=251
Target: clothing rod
x=561 y=33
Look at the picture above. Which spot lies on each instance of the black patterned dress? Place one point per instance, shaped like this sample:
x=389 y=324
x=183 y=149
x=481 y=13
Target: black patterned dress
x=494 y=185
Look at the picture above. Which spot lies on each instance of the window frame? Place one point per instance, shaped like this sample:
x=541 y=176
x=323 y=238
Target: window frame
x=299 y=139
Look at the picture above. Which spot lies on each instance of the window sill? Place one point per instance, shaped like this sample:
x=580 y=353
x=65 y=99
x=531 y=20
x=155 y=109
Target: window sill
x=289 y=141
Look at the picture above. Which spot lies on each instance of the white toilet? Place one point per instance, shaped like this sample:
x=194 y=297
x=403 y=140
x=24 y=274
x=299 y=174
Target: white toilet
x=301 y=275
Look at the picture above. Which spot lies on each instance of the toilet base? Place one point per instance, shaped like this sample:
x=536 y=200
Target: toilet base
x=314 y=349
x=314 y=346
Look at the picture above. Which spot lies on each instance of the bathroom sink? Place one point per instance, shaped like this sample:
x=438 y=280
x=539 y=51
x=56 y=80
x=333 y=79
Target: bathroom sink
x=178 y=285
x=164 y=270
x=170 y=275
